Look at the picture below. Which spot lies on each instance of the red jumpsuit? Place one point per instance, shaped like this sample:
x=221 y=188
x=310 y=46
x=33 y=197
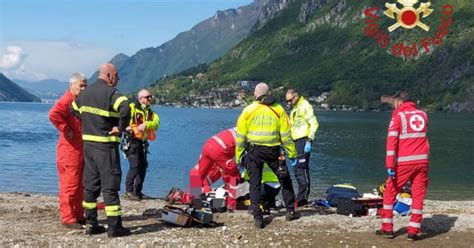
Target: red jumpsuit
x=408 y=155
x=217 y=160
x=70 y=160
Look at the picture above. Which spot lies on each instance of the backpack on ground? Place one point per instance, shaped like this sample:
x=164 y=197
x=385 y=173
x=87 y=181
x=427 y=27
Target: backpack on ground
x=340 y=191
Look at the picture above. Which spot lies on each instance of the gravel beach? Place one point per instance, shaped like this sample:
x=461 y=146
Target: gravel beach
x=32 y=220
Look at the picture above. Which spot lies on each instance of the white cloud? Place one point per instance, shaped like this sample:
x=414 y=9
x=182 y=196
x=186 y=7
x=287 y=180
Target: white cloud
x=13 y=58
x=36 y=60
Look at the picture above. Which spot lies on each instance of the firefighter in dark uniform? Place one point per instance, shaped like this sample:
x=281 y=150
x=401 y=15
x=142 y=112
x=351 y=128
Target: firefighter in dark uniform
x=104 y=113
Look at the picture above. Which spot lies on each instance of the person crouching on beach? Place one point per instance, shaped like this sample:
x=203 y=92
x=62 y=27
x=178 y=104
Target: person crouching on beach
x=69 y=156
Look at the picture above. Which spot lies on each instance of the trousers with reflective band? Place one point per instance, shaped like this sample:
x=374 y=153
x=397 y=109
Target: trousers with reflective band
x=418 y=174
x=113 y=210
x=102 y=173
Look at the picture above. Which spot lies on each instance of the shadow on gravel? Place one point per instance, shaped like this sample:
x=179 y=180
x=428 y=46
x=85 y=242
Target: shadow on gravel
x=134 y=217
x=432 y=226
x=309 y=211
x=436 y=225
x=149 y=228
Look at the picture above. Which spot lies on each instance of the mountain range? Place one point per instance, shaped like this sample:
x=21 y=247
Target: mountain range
x=12 y=92
x=45 y=89
x=205 y=42
x=320 y=46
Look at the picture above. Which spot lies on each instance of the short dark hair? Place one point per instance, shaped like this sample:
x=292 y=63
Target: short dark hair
x=292 y=91
x=404 y=96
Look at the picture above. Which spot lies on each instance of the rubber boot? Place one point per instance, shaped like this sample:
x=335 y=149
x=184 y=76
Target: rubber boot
x=92 y=225
x=115 y=227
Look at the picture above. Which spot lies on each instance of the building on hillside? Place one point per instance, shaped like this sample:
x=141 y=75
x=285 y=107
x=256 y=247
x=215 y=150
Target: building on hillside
x=247 y=85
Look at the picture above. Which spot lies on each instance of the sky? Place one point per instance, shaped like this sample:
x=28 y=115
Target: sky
x=43 y=39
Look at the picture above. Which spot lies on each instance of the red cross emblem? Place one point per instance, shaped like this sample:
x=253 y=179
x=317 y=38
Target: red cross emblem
x=417 y=123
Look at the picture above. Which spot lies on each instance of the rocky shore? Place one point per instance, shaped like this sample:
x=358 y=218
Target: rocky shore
x=32 y=220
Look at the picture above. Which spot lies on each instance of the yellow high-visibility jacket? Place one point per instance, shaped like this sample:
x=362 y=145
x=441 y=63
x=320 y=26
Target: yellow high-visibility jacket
x=303 y=122
x=263 y=125
x=143 y=114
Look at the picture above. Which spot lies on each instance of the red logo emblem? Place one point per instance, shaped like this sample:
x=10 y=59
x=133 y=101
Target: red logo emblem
x=408 y=14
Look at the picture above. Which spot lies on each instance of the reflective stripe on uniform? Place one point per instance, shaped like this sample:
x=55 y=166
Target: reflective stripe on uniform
x=287 y=142
x=113 y=210
x=240 y=143
x=228 y=161
x=404 y=122
x=412 y=158
x=238 y=135
x=263 y=133
x=264 y=141
x=208 y=178
x=417 y=211
x=97 y=111
x=310 y=118
x=233 y=132
x=75 y=107
x=104 y=139
x=89 y=205
x=414 y=224
x=118 y=102
x=220 y=142
x=388 y=207
x=285 y=134
x=390 y=153
x=393 y=133
x=387 y=220
x=412 y=135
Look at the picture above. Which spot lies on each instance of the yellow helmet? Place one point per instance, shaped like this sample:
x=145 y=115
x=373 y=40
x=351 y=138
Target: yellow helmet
x=381 y=188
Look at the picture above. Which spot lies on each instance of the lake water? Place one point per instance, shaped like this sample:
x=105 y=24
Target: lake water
x=350 y=147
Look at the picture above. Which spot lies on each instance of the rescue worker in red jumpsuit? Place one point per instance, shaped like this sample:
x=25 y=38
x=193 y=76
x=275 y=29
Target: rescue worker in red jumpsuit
x=213 y=175
x=407 y=159
x=216 y=160
x=69 y=156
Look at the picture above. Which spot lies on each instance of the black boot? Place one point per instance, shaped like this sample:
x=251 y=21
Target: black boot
x=292 y=215
x=259 y=223
x=92 y=225
x=115 y=227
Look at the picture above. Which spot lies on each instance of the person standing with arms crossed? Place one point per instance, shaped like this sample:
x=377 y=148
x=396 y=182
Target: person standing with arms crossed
x=69 y=156
x=303 y=125
x=407 y=159
x=105 y=114
x=263 y=127
x=143 y=125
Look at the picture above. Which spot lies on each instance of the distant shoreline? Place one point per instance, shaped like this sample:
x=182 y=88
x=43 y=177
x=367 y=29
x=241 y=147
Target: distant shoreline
x=315 y=109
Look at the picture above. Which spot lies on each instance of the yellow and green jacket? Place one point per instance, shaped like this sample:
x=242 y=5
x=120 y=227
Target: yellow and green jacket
x=303 y=122
x=263 y=125
x=141 y=113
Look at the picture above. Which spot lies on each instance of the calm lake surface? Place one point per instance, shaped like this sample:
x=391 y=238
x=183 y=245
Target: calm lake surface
x=350 y=147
